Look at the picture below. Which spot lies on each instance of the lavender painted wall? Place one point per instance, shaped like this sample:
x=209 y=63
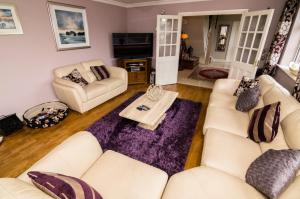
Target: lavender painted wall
x=143 y=19
x=27 y=60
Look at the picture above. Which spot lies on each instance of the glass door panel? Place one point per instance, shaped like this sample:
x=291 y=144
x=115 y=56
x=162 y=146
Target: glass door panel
x=246 y=23
x=253 y=23
x=262 y=22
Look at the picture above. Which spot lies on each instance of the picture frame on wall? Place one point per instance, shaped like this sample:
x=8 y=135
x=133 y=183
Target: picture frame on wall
x=222 y=38
x=9 y=20
x=70 y=26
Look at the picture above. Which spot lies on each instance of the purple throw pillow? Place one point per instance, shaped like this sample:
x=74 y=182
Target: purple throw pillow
x=264 y=123
x=273 y=171
x=61 y=186
x=100 y=72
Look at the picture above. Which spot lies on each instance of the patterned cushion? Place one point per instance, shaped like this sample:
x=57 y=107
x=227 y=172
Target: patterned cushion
x=100 y=72
x=76 y=77
x=248 y=99
x=273 y=171
x=61 y=186
x=245 y=84
x=264 y=123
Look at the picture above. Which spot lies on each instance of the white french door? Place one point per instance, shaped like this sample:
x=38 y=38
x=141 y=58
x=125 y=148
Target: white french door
x=252 y=36
x=168 y=33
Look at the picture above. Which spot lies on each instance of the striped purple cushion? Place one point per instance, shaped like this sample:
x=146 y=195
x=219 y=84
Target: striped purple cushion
x=61 y=186
x=100 y=72
x=264 y=123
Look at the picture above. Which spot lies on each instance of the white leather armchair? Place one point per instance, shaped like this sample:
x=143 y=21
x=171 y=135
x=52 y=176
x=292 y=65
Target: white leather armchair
x=82 y=99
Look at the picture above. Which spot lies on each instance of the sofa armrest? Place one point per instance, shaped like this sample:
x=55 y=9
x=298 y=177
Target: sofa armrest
x=118 y=72
x=73 y=157
x=58 y=82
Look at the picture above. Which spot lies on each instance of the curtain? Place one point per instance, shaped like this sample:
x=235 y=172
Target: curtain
x=296 y=91
x=281 y=35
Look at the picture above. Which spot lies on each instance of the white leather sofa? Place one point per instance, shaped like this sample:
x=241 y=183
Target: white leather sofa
x=82 y=99
x=227 y=152
x=113 y=175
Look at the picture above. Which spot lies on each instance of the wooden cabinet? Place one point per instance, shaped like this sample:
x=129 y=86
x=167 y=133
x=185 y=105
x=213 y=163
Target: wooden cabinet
x=138 y=70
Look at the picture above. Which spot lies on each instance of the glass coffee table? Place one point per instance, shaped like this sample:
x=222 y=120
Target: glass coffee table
x=149 y=119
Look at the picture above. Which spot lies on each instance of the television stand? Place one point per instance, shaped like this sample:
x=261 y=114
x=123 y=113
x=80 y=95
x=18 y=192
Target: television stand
x=138 y=69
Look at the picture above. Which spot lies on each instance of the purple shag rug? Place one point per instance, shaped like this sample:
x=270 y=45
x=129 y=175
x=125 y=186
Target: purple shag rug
x=165 y=148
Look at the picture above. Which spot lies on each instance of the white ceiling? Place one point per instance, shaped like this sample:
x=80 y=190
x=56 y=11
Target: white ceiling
x=140 y=3
x=135 y=1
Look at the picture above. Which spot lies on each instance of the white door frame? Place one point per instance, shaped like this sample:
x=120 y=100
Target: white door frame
x=213 y=12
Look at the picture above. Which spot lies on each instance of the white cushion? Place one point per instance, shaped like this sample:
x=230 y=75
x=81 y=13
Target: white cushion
x=228 y=120
x=228 y=152
x=66 y=70
x=227 y=86
x=94 y=90
x=208 y=183
x=111 y=82
x=12 y=188
x=72 y=157
x=266 y=82
x=291 y=128
x=288 y=103
x=117 y=176
x=222 y=100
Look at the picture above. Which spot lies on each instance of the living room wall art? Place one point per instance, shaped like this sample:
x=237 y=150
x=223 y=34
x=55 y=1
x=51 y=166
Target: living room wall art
x=9 y=20
x=69 y=25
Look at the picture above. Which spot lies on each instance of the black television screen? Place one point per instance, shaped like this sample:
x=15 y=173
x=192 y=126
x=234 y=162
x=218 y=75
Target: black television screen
x=132 y=45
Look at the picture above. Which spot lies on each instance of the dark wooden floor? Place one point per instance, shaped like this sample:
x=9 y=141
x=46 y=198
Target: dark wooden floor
x=21 y=149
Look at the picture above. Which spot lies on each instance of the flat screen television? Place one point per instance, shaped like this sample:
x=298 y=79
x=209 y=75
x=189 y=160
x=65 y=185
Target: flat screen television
x=132 y=45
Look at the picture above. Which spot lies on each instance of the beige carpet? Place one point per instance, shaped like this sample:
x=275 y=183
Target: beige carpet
x=183 y=79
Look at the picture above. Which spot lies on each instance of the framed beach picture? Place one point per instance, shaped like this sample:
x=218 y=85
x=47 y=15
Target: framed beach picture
x=69 y=25
x=9 y=20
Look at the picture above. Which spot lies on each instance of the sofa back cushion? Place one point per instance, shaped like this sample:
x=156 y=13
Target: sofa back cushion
x=288 y=103
x=291 y=128
x=87 y=67
x=73 y=157
x=266 y=82
x=66 y=70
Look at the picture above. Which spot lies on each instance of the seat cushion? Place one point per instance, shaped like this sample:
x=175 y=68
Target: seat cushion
x=111 y=82
x=94 y=90
x=12 y=188
x=117 y=176
x=227 y=86
x=208 y=183
x=229 y=153
x=228 y=120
